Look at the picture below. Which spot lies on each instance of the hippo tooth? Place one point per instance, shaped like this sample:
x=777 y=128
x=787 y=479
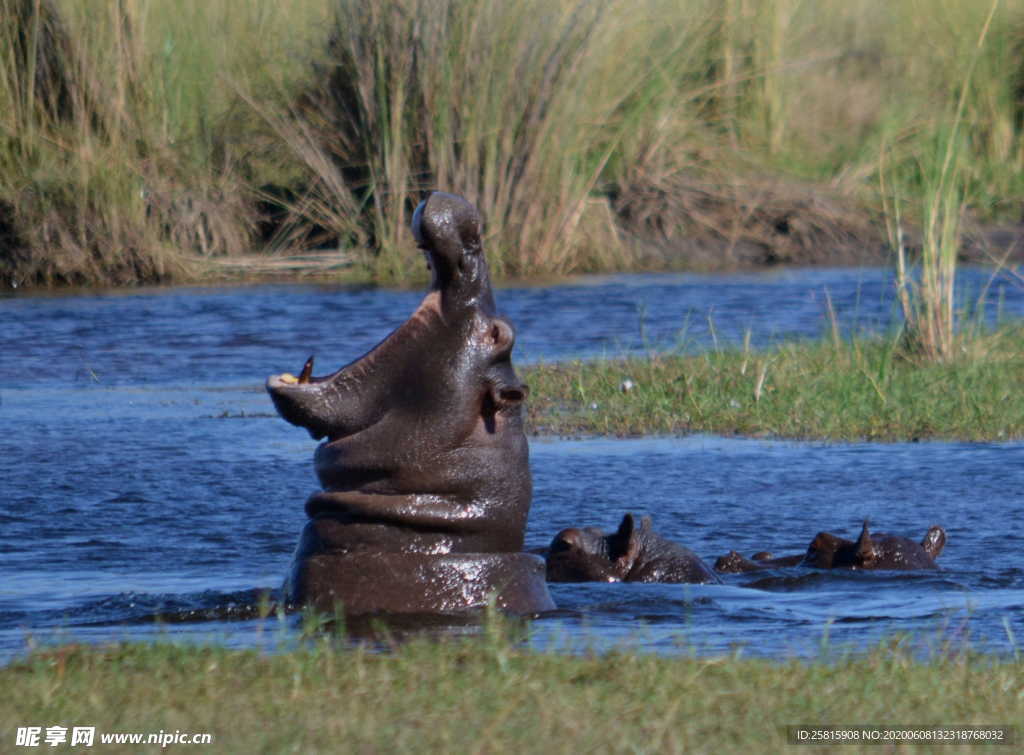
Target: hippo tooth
x=307 y=370
x=288 y=377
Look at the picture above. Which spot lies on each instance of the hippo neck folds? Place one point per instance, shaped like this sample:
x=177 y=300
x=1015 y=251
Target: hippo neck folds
x=424 y=456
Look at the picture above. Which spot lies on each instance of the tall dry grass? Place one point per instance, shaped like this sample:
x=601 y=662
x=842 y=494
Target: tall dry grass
x=521 y=106
x=124 y=150
x=593 y=135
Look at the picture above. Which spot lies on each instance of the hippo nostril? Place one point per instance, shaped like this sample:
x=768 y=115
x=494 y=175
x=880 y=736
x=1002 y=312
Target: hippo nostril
x=417 y=223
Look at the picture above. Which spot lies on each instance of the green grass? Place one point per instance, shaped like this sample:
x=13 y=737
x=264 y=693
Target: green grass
x=593 y=135
x=488 y=695
x=835 y=390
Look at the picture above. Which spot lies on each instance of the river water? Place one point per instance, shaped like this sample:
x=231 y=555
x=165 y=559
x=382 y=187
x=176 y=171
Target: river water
x=147 y=489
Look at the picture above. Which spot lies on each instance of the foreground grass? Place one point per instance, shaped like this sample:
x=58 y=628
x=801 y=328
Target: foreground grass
x=485 y=695
x=832 y=390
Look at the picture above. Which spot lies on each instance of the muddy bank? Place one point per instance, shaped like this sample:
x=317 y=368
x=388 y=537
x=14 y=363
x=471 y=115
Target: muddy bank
x=753 y=224
x=696 y=227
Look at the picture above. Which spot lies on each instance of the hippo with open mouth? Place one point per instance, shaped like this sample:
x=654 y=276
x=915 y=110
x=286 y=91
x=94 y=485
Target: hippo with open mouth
x=424 y=463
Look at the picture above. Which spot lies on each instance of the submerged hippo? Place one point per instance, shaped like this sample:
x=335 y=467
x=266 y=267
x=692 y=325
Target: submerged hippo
x=733 y=563
x=878 y=551
x=424 y=464
x=633 y=553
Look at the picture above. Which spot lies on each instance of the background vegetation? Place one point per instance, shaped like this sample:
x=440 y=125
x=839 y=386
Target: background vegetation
x=141 y=139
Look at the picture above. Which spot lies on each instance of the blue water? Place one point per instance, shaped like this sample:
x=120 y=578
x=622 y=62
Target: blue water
x=145 y=476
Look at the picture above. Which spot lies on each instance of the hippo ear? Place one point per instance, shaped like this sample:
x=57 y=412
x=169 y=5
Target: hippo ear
x=934 y=541
x=500 y=337
x=626 y=527
x=866 y=552
x=625 y=543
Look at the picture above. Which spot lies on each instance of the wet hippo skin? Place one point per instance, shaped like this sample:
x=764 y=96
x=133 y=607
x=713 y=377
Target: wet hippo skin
x=633 y=553
x=424 y=463
x=878 y=551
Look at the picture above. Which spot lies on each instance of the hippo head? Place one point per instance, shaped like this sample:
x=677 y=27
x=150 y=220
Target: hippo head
x=827 y=551
x=633 y=553
x=733 y=563
x=822 y=551
x=456 y=317
x=425 y=431
x=586 y=554
x=874 y=551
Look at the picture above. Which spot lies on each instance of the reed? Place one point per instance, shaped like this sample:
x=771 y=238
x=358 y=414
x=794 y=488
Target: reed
x=927 y=293
x=518 y=105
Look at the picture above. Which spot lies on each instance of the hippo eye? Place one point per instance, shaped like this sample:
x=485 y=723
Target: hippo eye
x=511 y=395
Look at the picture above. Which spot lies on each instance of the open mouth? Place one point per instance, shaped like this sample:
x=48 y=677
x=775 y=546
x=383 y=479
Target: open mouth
x=301 y=400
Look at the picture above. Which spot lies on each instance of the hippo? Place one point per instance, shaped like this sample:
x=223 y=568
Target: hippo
x=424 y=463
x=878 y=551
x=633 y=553
x=733 y=563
